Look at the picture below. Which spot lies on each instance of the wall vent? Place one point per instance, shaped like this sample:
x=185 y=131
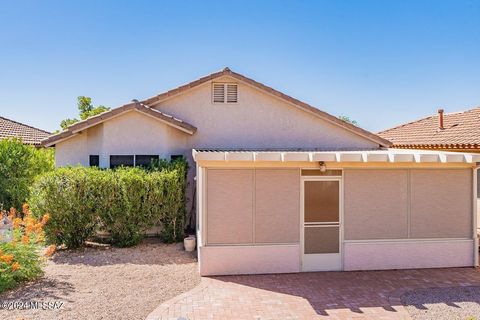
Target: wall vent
x=225 y=93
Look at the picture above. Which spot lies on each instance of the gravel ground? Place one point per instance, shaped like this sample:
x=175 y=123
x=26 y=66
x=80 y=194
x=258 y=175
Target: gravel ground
x=117 y=283
x=460 y=303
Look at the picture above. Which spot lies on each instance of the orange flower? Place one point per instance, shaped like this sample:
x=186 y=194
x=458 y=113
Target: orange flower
x=17 y=222
x=7 y=258
x=15 y=266
x=25 y=239
x=50 y=250
x=29 y=228
x=38 y=227
x=45 y=218
x=12 y=213
x=26 y=209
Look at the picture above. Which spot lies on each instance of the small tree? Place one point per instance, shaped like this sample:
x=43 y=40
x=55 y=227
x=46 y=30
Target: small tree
x=85 y=109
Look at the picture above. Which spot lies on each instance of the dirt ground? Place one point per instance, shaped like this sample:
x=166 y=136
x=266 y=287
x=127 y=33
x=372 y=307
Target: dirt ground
x=116 y=283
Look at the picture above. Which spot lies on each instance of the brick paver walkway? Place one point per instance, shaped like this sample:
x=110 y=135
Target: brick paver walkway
x=320 y=295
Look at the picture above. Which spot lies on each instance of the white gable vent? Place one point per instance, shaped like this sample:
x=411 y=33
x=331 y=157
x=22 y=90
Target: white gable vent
x=225 y=93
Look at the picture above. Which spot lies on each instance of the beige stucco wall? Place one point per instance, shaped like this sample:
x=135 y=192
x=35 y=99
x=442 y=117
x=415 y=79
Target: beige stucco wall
x=129 y=133
x=408 y=254
x=258 y=120
x=249 y=206
x=72 y=151
x=226 y=260
x=407 y=203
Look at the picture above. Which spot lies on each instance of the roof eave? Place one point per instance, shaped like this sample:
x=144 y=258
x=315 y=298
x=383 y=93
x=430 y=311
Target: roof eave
x=77 y=127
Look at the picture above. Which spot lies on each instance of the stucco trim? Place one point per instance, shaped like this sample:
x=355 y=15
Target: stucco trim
x=108 y=115
x=272 y=92
x=384 y=255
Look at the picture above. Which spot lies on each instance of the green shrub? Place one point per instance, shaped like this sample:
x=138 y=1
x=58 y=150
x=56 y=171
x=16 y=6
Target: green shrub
x=19 y=165
x=68 y=195
x=125 y=202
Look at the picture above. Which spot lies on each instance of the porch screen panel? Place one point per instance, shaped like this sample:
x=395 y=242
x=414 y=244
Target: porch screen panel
x=229 y=206
x=322 y=201
x=376 y=204
x=322 y=239
x=441 y=203
x=277 y=206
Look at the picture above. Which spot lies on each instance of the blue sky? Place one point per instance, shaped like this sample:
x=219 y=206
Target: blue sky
x=379 y=62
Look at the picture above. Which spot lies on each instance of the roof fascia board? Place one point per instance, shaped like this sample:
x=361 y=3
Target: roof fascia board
x=49 y=144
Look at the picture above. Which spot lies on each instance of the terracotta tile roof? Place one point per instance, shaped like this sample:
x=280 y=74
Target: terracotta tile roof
x=28 y=134
x=461 y=131
x=135 y=105
x=295 y=102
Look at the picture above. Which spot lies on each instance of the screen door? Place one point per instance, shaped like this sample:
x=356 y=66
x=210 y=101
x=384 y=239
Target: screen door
x=321 y=224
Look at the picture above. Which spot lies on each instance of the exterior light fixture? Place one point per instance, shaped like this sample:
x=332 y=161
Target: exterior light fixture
x=323 y=166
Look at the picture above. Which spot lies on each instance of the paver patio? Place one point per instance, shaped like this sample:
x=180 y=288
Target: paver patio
x=320 y=295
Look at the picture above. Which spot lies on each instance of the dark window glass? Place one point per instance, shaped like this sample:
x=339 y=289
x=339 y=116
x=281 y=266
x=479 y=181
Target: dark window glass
x=94 y=160
x=117 y=161
x=145 y=160
x=174 y=157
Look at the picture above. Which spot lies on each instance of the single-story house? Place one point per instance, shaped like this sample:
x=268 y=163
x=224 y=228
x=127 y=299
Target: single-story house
x=28 y=134
x=281 y=186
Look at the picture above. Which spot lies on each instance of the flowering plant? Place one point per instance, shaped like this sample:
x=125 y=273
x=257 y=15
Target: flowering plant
x=21 y=256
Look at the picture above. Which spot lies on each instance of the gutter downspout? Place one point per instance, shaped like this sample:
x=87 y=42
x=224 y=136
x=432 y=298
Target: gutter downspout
x=475 y=237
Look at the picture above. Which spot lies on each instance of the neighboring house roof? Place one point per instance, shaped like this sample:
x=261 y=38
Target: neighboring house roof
x=145 y=106
x=295 y=102
x=28 y=134
x=461 y=130
x=77 y=127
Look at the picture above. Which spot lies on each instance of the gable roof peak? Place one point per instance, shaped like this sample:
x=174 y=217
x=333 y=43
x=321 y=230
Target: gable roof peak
x=280 y=95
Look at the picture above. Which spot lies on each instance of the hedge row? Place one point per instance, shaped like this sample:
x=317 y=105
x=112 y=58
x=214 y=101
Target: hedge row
x=124 y=202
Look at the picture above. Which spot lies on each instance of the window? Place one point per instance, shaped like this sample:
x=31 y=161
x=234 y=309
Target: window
x=145 y=160
x=117 y=161
x=174 y=157
x=225 y=93
x=94 y=160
